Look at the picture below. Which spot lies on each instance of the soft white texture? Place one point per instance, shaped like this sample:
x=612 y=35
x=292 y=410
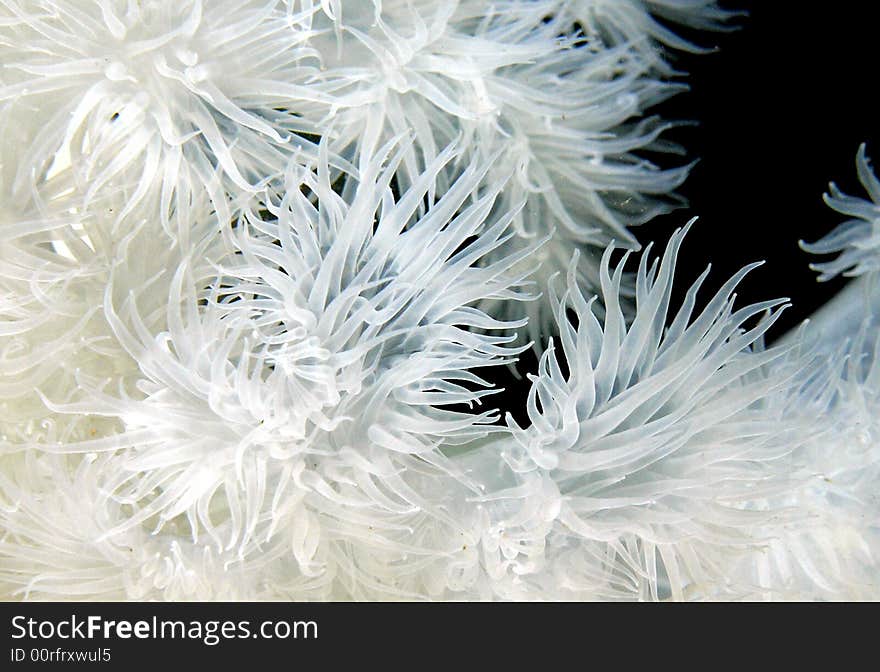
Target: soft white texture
x=257 y=257
x=140 y=100
x=299 y=390
x=557 y=90
x=659 y=437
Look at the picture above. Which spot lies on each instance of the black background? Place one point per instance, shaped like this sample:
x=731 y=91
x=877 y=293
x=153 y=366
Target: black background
x=781 y=107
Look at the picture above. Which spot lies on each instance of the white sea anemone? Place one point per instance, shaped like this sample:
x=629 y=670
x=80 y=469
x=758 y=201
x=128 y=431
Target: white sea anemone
x=56 y=518
x=659 y=436
x=302 y=393
x=136 y=100
x=259 y=260
x=858 y=239
x=523 y=82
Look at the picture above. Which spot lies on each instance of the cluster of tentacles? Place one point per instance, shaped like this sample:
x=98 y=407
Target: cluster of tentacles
x=257 y=257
